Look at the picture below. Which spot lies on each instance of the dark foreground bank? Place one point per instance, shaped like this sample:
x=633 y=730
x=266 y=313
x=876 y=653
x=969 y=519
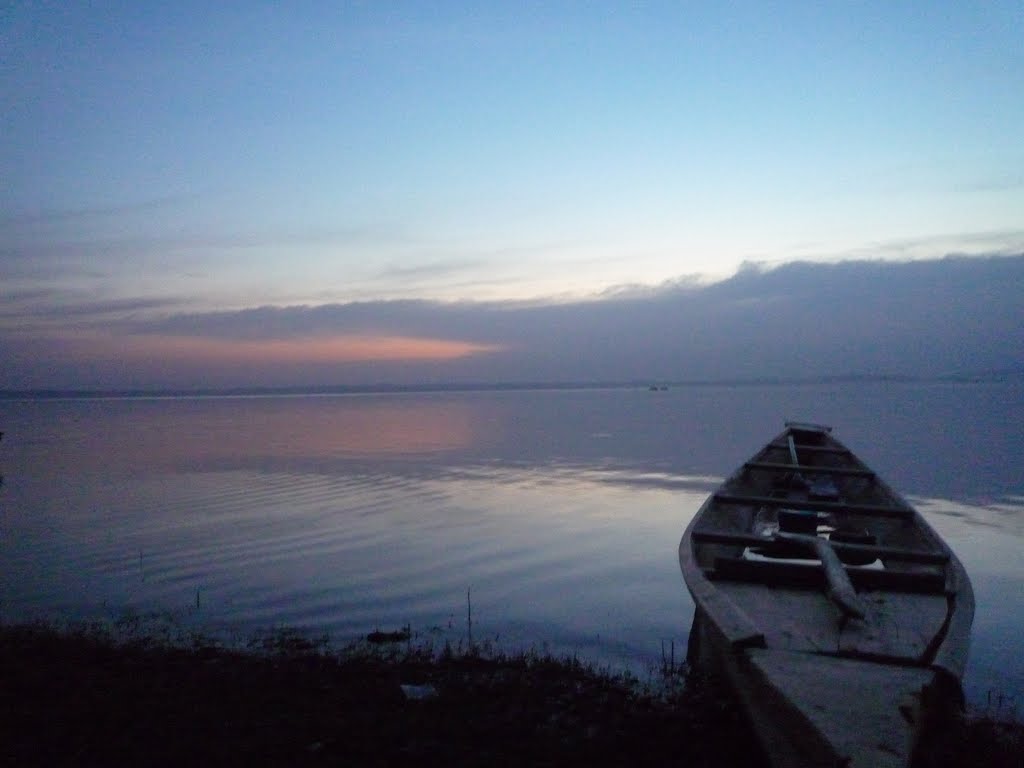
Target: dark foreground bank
x=80 y=698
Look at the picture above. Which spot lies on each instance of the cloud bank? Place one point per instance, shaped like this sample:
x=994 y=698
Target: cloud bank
x=921 y=318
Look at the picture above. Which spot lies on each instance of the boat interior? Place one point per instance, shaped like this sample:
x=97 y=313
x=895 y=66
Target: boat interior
x=810 y=520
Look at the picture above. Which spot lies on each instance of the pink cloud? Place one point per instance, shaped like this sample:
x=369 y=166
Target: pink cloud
x=332 y=349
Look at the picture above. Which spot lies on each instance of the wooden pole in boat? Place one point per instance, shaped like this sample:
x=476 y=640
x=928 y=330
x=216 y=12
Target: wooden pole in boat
x=797 y=477
x=792 y=449
x=840 y=588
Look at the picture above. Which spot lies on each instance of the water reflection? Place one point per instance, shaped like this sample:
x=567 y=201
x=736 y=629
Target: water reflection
x=552 y=556
x=201 y=434
x=1002 y=516
x=562 y=510
x=989 y=540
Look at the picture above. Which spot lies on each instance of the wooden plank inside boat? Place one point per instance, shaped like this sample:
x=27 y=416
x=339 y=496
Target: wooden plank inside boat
x=935 y=557
x=808 y=575
x=792 y=620
x=863 y=721
x=836 y=450
x=772 y=466
x=898 y=626
x=888 y=510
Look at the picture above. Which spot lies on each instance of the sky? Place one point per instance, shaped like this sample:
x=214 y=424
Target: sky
x=259 y=193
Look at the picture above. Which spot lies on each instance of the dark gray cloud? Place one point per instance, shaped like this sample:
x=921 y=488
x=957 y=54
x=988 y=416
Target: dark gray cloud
x=1001 y=242
x=48 y=305
x=922 y=318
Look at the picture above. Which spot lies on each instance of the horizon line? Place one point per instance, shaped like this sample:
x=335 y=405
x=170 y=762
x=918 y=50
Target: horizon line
x=57 y=393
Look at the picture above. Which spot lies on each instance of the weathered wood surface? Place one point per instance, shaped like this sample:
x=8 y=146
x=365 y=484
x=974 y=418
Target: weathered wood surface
x=732 y=621
x=897 y=626
x=789 y=619
x=752 y=500
x=951 y=653
x=935 y=557
x=854 y=707
x=729 y=620
x=809 y=469
x=807 y=575
x=840 y=589
x=832 y=449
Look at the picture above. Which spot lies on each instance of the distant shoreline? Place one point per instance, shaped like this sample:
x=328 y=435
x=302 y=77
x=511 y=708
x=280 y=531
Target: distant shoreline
x=386 y=389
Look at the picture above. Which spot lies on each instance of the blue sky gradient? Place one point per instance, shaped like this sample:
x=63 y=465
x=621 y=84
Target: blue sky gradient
x=164 y=159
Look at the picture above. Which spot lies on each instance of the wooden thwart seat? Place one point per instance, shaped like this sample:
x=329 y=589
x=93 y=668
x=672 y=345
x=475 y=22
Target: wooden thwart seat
x=785 y=574
x=813 y=448
x=900 y=554
x=808 y=469
x=881 y=510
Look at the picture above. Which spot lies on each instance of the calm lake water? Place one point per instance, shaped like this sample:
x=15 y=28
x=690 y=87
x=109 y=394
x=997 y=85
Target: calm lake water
x=561 y=510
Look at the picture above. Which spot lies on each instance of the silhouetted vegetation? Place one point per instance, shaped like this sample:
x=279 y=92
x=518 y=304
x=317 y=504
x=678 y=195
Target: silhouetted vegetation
x=85 y=697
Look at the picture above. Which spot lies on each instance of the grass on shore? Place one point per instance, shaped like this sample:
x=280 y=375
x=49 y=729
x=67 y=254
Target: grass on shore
x=80 y=696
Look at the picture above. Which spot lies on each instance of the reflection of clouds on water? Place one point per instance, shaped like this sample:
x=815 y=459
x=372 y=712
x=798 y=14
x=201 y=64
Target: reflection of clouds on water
x=1005 y=516
x=705 y=483
x=565 y=473
x=327 y=435
x=989 y=540
x=583 y=560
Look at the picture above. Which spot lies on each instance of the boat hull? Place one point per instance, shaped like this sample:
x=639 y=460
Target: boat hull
x=823 y=682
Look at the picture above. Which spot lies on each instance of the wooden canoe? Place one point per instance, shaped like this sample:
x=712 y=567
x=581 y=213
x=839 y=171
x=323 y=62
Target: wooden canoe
x=837 y=615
